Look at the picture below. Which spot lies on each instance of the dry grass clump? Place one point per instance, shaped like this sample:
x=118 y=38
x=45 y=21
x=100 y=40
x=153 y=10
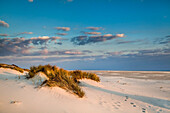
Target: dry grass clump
x=77 y=74
x=57 y=77
x=13 y=66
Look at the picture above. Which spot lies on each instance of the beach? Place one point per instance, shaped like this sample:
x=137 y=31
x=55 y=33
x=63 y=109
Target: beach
x=117 y=92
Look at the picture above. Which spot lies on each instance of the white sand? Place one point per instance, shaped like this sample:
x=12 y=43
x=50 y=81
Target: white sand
x=112 y=95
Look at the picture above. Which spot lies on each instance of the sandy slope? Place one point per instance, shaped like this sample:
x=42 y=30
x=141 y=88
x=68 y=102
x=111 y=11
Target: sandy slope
x=111 y=95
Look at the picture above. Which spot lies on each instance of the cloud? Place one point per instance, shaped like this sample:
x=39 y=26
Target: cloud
x=147 y=52
x=114 y=53
x=107 y=35
x=62 y=52
x=120 y=35
x=87 y=51
x=94 y=28
x=3 y=24
x=22 y=33
x=83 y=40
x=164 y=40
x=63 y=28
x=68 y=52
x=19 y=46
x=4 y=35
x=153 y=52
x=55 y=38
x=26 y=33
x=26 y=51
x=63 y=34
x=30 y=0
x=55 y=59
x=59 y=43
x=139 y=53
x=40 y=40
x=128 y=42
x=41 y=37
x=13 y=46
x=92 y=33
x=43 y=40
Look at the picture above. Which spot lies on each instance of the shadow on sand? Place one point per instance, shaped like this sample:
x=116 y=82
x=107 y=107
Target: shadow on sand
x=150 y=100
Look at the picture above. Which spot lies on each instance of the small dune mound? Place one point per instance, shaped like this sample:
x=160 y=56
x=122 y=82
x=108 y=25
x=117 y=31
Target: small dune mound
x=39 y=78
x=13 y=66
x=53 y=76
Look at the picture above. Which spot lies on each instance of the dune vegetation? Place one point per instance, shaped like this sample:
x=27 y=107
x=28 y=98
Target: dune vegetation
x=78 y=74
x=13 y=66
x=68 y=80
x=65 y=79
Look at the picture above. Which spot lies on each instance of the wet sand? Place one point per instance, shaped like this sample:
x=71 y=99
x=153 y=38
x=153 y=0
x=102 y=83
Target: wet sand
x=151 y=75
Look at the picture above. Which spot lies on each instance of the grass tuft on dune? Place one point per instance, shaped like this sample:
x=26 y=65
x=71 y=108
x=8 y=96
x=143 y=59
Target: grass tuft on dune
x=78 y=74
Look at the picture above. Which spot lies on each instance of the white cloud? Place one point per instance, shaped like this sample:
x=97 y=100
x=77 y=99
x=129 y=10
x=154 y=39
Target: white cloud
x=3 y=24
x=107 y=35
x=120 y=35
x=41 y=37
x=63 y=28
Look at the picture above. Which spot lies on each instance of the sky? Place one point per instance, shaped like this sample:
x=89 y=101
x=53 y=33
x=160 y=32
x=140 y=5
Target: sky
x=86 y=34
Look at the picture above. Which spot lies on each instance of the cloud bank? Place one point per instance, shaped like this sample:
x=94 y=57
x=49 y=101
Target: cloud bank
x=10 y=46
x=3 y=35
x=83 y=40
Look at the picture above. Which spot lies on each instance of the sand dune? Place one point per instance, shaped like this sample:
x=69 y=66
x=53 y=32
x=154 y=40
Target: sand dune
x=114 y=94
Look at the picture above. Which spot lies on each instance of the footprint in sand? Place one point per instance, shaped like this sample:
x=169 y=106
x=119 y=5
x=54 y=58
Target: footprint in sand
x=118 y=104
x=126 y=98
x=159 y=110
x=144 y=110
x=133 y=104
x=116 y=107
x=15 y=102
x=22 y=86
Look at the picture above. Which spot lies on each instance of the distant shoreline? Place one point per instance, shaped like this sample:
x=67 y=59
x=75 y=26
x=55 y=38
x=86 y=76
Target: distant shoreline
x=132 y=70
x=151 y=75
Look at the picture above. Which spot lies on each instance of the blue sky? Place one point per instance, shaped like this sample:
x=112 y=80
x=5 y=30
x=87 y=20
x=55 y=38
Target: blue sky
x=86 y=34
